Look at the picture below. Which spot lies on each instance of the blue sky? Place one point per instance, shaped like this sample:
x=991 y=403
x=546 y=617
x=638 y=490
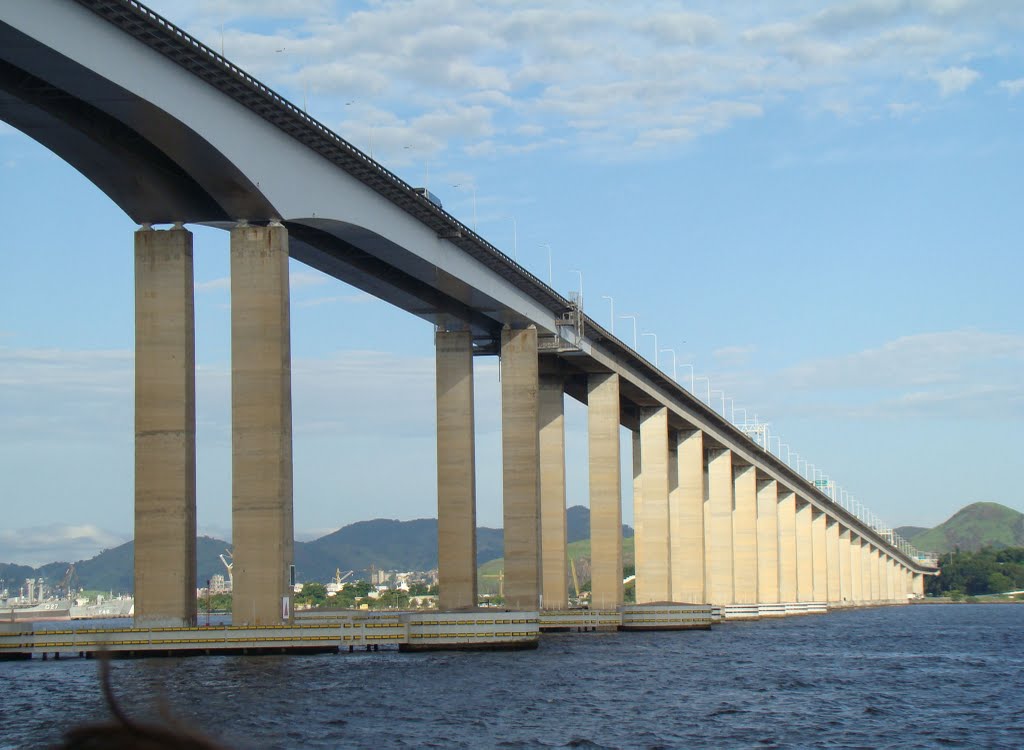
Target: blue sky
x=817 y=205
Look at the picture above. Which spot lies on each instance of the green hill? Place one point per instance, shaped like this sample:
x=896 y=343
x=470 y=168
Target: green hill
x=383 y=543
x=973 y=527
x=909 y=532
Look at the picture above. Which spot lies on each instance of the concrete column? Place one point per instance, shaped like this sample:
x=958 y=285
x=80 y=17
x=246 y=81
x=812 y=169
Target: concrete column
x=845 y=564
x=261 y=408
x=653 y=577
x=456 y=471
x=605 y=491
x=918 y=584
x=819 y=546
x=718 y=528
x=834 y=584
x=876 y=578
x=865 y=569
x=890 y=583
x=787 y=546
x=744 y=535
x=904 y=588
x=856 y=569
x=688 y=533
x=768 y=542
x=804 y=553
x=165 y=429
x=520 y=449
x=554 y=562
x=638 y=496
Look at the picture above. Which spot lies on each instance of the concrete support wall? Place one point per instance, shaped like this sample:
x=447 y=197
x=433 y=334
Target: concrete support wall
x=834 y=590
x=876 y=577
x=787 y=545
x=554 y=562
x=819 y=544
x=605 y=491
x=804 y=553
x=890 y=583
x=456 y=470
x=744 y=535
x=165 y=429
x=856 y=569
x=520 y=449
x=638 y=496
x=653 y=571
x=261 y=407
x=918 y=584
x=688 y=534
x=718 y=528
x=768 y=541
x=865 y=569
x=845 y=564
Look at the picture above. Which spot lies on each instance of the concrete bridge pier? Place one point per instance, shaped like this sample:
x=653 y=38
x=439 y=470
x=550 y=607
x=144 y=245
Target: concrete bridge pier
x=834 y=583
x=819 y=545
x=651 y=510
x=688 y=531
x=554 y=560
x=520 y=445
x=804 y=553
x=865 y=570
x=456 y=470
x=744 y=535
x=876 y=577
x=768 y=541
x=718 y=527
x=261 y=423
x=165 y=429
x=603 y=421
x=787 y=546
x=856 y=568
x=845 y=564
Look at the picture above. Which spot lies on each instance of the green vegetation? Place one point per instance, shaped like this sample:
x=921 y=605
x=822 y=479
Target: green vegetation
x=971 y=528
x=215 y=603
x=987 y=571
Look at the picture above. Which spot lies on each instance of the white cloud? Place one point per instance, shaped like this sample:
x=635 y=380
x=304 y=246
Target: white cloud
x=213 y=285
x=39 y=545
x=954 y=80
x=1014 y=87
x=613 y=80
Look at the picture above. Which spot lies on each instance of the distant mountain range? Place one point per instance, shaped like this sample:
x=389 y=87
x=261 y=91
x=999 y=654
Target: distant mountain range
x=382 y=543
x=969 y=529
x=412 y=545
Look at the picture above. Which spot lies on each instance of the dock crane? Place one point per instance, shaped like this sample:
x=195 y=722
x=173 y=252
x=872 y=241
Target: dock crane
x=229 y=566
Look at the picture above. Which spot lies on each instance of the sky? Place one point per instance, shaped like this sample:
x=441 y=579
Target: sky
x=815 y=205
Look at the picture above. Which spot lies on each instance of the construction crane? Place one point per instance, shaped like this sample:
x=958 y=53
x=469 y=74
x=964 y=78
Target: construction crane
x=339 y=578
x=500 y=575
x=229 y=566
x=66 y=583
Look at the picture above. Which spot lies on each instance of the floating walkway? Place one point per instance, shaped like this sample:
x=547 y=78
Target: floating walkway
x=660 y=616
x=342 y=631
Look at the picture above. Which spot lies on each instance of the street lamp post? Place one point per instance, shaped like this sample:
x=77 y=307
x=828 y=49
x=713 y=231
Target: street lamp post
x=544 y=244
x=655 y=337
x=723 y=399
x=472 y=187
x=580 y=274
x=611 y=302
x=691 y=376
x=633 y=318
x=708 y=389
x=673 y=353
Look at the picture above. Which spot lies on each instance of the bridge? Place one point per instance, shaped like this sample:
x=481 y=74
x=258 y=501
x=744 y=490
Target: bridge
x=175 y=134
